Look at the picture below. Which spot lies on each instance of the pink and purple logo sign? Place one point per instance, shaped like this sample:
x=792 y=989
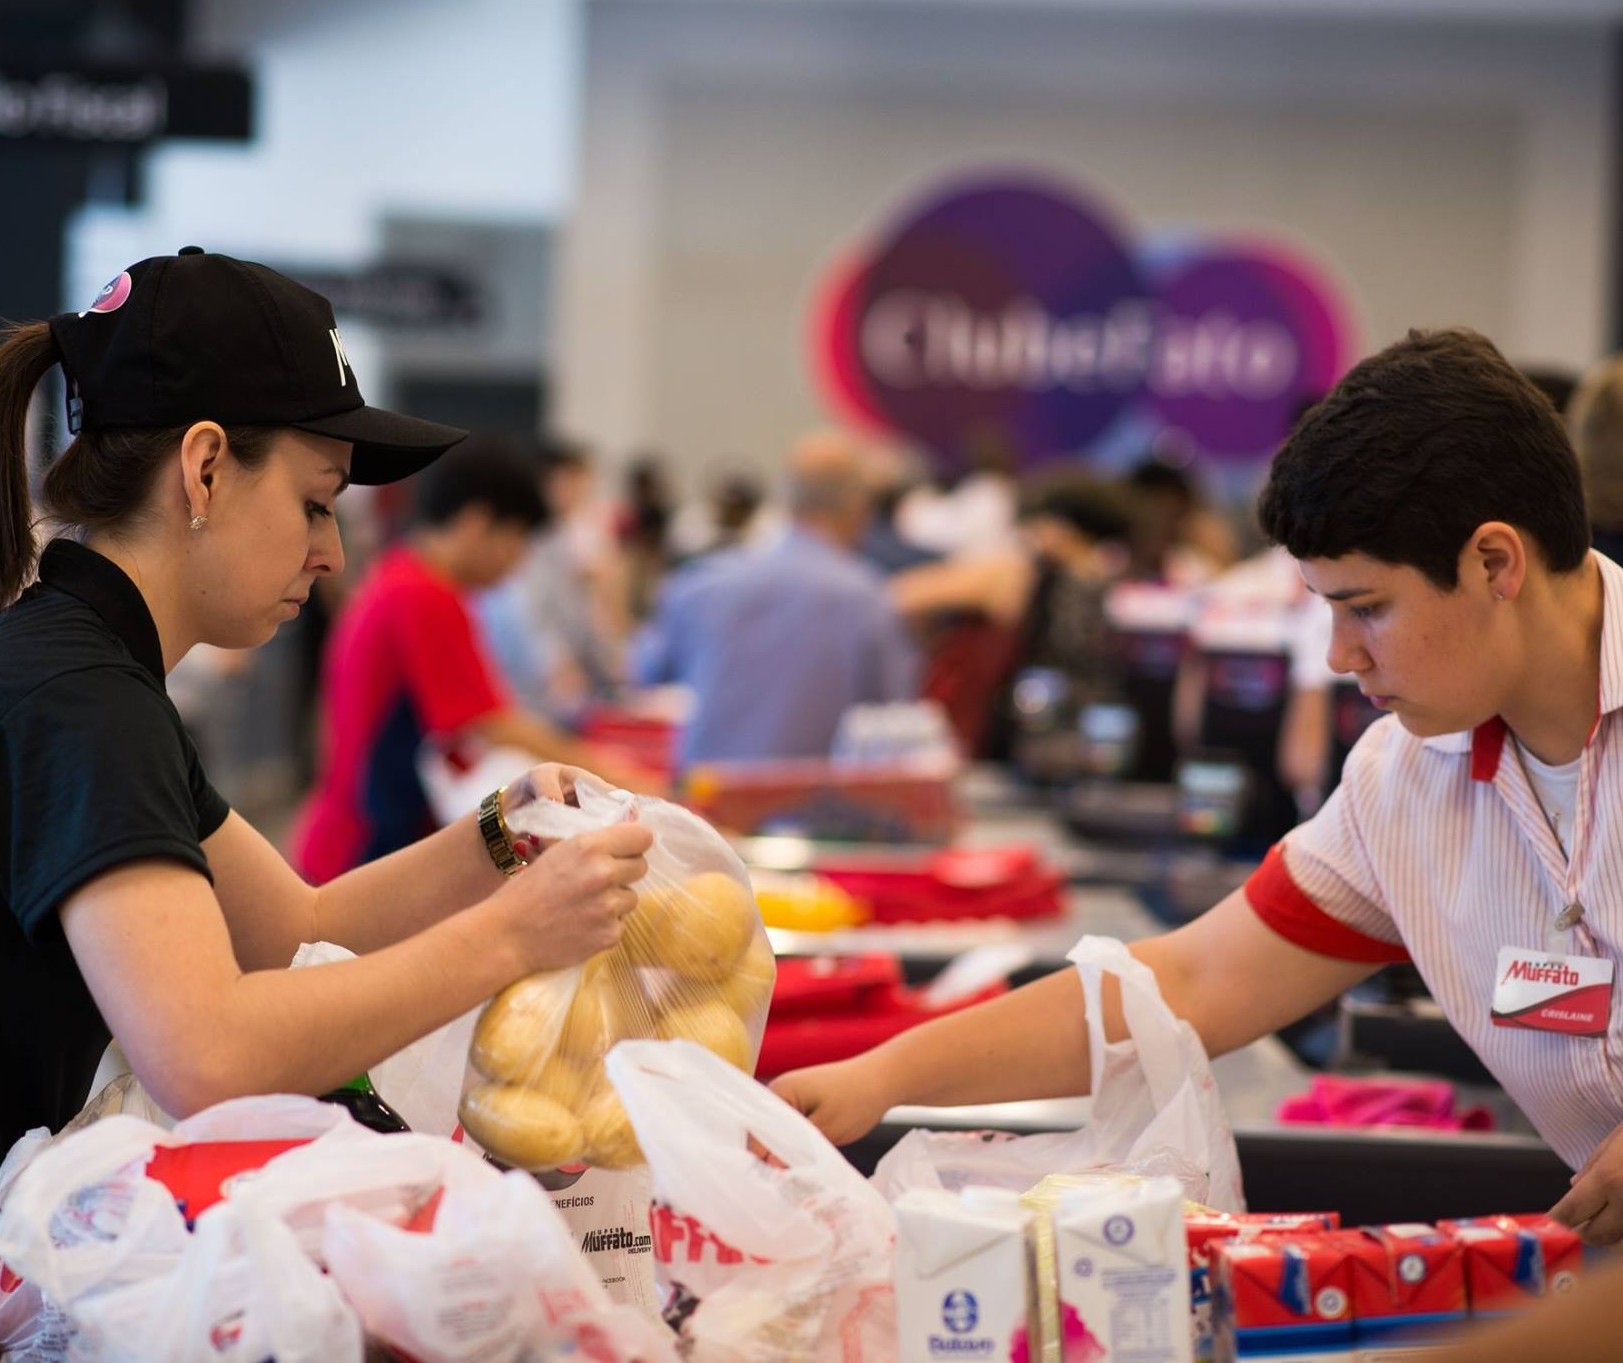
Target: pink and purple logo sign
x=1017 y=310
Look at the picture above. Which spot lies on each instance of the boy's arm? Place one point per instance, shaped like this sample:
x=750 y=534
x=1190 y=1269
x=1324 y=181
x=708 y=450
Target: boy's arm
x=1227 y=973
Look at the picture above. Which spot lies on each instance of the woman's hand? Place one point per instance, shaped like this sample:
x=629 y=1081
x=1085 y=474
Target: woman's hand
x=571 y=901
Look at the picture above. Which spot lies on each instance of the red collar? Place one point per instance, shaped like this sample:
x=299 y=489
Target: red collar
x=1487 y=745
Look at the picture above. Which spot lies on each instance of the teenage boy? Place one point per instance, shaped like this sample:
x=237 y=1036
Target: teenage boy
x=1434 y=502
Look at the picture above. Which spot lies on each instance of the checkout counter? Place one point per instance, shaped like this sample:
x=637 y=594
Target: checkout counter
x=1368 y=1175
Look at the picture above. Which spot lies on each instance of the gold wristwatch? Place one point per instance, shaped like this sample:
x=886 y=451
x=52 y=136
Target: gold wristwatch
x=498 y=841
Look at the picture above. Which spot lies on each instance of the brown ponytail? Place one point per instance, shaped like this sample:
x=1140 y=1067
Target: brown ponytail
x=102 y=481
x=26 y=356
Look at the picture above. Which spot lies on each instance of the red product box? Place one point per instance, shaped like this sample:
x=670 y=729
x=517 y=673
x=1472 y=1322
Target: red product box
x=1208 y=1231
x=1510 y=1260
x=1408 y=1283
x=1288 y=1300
x=1254 y=1224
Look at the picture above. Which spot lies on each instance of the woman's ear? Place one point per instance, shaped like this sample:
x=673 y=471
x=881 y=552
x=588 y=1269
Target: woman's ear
x=201 y=450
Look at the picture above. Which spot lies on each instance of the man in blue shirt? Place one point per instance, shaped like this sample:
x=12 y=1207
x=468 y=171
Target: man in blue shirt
x=777 y=641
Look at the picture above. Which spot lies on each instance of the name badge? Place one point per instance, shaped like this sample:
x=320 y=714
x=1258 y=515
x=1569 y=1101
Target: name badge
x=1546 y=992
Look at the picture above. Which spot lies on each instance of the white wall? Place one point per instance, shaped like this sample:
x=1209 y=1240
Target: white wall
x=366 y=108
x=1450 y=171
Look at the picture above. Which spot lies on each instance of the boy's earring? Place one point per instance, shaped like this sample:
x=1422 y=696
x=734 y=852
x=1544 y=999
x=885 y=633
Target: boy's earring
x=1497 y=596
x=198 y=522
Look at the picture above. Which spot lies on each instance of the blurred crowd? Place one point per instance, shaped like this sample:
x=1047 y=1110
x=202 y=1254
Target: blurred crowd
x=759 y=611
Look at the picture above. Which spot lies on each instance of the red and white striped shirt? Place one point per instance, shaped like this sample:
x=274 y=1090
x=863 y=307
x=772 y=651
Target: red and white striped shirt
x=1436 y=850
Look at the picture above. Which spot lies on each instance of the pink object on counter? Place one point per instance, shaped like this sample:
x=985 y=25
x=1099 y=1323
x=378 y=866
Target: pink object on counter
x=1337 y=1100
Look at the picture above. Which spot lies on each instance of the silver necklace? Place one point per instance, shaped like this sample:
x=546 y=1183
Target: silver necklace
x=1573 y=914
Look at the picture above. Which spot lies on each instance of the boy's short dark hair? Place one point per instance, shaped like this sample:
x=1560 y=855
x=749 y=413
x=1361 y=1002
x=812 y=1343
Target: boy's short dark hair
x=1418 y=446
x=486 y=469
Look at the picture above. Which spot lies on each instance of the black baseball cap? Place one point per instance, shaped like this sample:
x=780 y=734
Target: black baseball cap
x=204 y=337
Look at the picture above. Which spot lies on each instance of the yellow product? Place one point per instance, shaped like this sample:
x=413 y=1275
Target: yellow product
x=519 y=1028
x=714 y=1026
x=748 y=990
x=611 y=1143
x=521 y=1127
x=806 y=903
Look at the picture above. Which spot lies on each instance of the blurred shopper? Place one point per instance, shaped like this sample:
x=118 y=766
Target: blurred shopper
x=732 y=512
x=973 y=513
x=778 y=641
x=1177 y=540
x=1433 y=499
x=216 y=420
x=642 y=527
x=558 y=623
x=405 y=665
x=1039 y=602
x=891 y=474
x=1595 y=421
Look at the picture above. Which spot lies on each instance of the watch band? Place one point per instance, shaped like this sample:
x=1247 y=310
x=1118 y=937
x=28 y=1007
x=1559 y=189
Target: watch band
x=493 y=829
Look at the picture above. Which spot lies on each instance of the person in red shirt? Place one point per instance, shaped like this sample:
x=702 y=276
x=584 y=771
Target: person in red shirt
x=405 y=664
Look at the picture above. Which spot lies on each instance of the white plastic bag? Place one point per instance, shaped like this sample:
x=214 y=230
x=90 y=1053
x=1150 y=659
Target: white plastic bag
x=242 y=1291
x=694 y=963
x=31 y=1329
x=772 y=1248
x=496 y=1278
x=1155 y=1110
x=84 y=1217
x=422 y=1081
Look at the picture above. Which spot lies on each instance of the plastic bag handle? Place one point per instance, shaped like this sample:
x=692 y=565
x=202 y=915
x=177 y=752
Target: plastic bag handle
x=1152 y=1026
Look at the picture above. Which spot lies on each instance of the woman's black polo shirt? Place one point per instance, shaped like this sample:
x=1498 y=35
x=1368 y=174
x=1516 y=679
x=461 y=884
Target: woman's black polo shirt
x=95 y=770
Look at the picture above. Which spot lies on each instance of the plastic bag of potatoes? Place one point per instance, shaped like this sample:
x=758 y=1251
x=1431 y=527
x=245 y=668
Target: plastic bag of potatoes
x=694 y=963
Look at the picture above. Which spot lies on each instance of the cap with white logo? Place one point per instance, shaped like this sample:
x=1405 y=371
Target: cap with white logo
x=205 y=337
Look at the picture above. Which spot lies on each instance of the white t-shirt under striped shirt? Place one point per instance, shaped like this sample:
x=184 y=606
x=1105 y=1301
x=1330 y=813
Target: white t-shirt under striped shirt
x=1437 y=850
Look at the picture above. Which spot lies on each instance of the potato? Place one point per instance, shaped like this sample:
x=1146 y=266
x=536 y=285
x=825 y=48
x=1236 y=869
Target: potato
x=519 y=1028
x=520 y=1127
x=611 y=1143
x=566 y=1082
x=609 y=1006
x=641 y=941
x=714 y=1026
x=705 y=930
x=749 y=988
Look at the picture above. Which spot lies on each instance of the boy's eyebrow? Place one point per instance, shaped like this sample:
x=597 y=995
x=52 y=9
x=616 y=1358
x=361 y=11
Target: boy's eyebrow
x=1346 y=593
x=343 y=478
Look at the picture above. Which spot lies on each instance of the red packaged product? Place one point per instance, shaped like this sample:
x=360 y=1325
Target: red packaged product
x=200 y=1175
x=1510 y=1260
x=1284 y=1298
x=1408 y=1282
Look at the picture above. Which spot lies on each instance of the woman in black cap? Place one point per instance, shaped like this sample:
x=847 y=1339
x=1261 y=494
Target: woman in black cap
x=216 y=418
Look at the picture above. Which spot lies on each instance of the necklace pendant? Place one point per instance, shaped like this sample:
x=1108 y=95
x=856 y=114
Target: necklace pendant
x=1570 y=916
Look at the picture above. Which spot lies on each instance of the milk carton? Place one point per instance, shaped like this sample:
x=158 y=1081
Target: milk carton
x=1122 y=1265
x=964 y=1285
x=1043 y=1199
